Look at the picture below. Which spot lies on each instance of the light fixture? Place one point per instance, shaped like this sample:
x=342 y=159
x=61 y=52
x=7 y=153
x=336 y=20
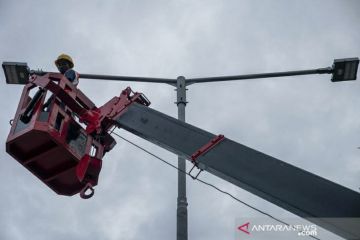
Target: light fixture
x=345 y=69
x=16 y=72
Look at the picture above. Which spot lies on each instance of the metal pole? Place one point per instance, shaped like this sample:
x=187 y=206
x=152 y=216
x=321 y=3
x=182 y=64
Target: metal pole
x=181 y=226
x=327 y=70
x=127 y=78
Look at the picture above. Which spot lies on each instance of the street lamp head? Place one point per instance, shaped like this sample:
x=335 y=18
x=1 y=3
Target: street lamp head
x=16 y=72
x=345 y=69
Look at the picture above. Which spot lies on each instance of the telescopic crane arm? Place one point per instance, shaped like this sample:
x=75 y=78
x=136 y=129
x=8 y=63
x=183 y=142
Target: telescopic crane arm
x=286 y=186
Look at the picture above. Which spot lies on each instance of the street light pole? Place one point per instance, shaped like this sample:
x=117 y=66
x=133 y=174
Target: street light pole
x=181 y=225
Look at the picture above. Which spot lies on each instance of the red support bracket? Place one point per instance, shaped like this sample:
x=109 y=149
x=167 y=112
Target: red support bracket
x=204 y=149
x=102 y=119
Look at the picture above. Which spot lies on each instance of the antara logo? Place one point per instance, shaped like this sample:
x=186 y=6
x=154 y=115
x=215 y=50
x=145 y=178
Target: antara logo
x=300 y=229
x=245 y=228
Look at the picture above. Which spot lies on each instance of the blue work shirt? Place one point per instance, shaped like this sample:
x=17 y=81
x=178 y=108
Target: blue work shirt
x=72 y=76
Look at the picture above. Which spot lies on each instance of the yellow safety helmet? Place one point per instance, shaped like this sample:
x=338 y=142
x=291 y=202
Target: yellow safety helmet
x=64 y=57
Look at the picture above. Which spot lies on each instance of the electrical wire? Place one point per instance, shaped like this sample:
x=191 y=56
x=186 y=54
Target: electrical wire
x=206 y=183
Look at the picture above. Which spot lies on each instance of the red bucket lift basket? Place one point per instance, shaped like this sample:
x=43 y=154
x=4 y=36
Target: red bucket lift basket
x=50 y=142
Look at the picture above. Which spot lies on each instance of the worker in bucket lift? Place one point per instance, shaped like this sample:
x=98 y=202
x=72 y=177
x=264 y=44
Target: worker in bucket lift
x=64 y=64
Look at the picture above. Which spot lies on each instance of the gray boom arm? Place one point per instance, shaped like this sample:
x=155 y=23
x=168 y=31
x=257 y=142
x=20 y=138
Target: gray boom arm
x=296 y=190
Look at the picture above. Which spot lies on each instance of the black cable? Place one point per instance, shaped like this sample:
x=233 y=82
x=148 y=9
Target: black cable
x=208 y=184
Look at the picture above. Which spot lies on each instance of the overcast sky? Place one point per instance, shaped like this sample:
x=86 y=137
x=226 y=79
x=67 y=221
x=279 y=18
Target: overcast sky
x=306 y=121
